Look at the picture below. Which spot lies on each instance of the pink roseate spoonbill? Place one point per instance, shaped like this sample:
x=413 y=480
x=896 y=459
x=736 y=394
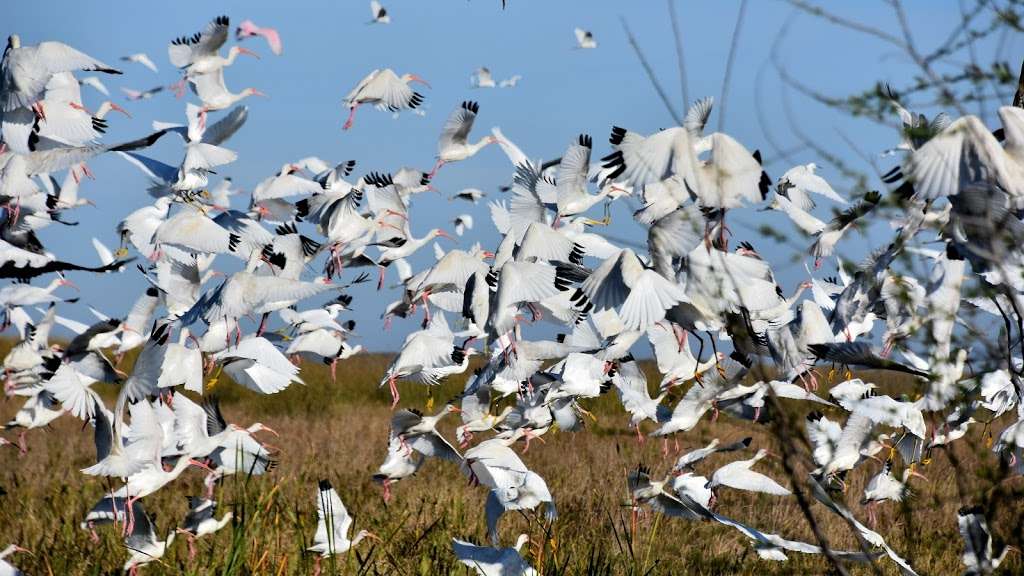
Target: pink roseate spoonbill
x=332 y=529
x=453 y=144
x=248 y=29
x=385 y=90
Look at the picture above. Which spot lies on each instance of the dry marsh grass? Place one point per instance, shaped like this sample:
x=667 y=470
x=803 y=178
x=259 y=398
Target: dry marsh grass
x=339 y=431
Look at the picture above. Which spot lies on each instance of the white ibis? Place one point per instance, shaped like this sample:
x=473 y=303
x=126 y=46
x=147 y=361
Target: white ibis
x=378 y=13
x=6 y=568
x=510 y=82
x=385 y=90
x=132 y=94
x=333 y=526
x=487 y=561
x=400 y=463
x=140 y=58
x=639 y=294
x=142 y=543
x=799 y=182
x=472 y=195
x=26 y=70
x=258 y=365
x=199 y=54
x=979 y=556
x=38 y=411
x=584 y=39
x=95 y=83
x=201 y=521
x=482 y=78
x=936 y=168
x=886 y=486
x=738 y=475
x=453 y=145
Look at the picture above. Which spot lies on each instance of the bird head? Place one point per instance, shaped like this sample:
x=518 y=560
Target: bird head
x=261 y=427
x=115 y=108
x=438 y=233
x=365 y=534
x=62 y=281
x=414 y=78
x=254 y=92
x=13 y=41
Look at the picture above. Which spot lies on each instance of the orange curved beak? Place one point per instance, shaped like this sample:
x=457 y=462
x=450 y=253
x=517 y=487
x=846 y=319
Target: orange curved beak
x=119 y=109
x=248 y=52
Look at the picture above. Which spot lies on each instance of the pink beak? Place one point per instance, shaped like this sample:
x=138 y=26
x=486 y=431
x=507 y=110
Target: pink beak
x=68 y=283
x=444 y=234
x=271 y=430
x=256 y=92
x=415 y=78
x=119 y=109
x=200 y=464
x=248 y=52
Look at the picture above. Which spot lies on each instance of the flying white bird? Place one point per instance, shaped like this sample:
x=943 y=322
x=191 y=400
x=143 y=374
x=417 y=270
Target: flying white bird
x=378 y=13
x=584 y=39
x=140 y=58
x=453 y=144
x=488 y=561
x=385 y=90
x=333 y=526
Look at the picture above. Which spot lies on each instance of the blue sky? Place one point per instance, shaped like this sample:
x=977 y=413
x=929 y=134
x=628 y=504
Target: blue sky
x=328 y=47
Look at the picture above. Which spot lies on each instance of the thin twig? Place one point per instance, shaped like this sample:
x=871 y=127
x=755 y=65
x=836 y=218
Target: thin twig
x=673 y=17
x=728 y=63
x=650 y=73
x=845 y=22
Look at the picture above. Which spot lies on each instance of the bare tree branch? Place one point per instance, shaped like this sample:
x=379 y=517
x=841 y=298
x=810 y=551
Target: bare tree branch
x=728 y=63
x=650 y=74
x=846 y=23
x=679 y=52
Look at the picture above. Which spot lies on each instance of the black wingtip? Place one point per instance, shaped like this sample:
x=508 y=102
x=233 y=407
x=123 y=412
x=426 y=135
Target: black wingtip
x=746 y=441
x=617 y=135
x=324 y=485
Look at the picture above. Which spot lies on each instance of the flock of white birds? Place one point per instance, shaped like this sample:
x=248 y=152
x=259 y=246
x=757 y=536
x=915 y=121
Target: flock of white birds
x=310 y=223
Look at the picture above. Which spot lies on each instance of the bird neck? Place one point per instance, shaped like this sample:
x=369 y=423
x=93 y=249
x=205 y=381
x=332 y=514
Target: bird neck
x=224 y=520
x=480 y=144
x=7 y=551
x=179 y=467
x=796 y=295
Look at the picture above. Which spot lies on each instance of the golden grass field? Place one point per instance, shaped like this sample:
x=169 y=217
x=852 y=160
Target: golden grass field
x=339 y=431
